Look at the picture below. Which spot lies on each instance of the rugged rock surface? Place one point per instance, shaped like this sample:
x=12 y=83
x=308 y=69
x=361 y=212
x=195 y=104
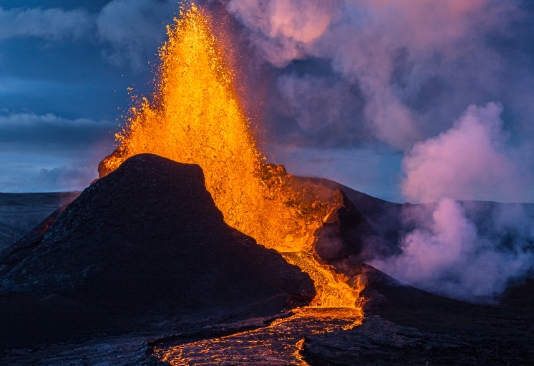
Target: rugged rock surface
x=144 y=242
x=407 y=326
x=384 y=218
x=343 y=232
x=14 y=253
x=402 y=325
x=20 y=212
x=504 y=224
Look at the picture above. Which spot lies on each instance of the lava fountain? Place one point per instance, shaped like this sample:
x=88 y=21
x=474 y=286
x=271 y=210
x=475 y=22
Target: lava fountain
x=195 y=116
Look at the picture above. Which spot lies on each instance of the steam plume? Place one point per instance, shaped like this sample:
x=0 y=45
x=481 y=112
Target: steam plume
x=470 y=161
x=400 y=72
x=448 y=252
x=406 y=59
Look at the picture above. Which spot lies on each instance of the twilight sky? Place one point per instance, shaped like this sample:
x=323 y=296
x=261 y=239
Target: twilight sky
x=403 y=99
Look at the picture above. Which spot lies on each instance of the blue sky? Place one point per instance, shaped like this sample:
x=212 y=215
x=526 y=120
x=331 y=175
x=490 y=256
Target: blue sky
x=62 y=92
x=342 y=89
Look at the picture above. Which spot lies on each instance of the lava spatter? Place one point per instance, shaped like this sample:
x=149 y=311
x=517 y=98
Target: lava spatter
x=195 y=116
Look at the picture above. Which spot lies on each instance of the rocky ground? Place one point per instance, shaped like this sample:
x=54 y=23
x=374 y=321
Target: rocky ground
x=407 y=326
x=141 y=246
x=402 y=326
x=141 y=269
x=21 y=212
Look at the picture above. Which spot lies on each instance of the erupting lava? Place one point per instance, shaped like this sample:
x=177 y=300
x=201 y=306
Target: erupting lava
x=195 y=117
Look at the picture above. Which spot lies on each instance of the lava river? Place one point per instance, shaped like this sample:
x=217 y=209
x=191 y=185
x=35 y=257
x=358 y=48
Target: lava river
x=195 y=116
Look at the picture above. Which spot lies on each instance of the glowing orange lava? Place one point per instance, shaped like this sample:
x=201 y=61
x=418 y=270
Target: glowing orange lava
x=279 y=343
x=195 y=117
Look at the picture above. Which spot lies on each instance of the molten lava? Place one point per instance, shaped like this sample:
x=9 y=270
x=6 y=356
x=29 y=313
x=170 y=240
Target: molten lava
x=279 y=343
x=195 y=117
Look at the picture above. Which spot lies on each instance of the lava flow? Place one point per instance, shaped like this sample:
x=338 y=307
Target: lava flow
x=195 y=117
x=279 y=343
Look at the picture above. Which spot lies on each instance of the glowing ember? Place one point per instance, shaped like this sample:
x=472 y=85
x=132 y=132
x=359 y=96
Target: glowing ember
x=195 y=117
x=279 y=343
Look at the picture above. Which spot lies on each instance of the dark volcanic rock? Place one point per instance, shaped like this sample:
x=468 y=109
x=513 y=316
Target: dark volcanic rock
x=398 y=302
x=343 y=232
x=382 y=216
x=147 y=240
x=13 y=254
x=380 y=342
x=407 y=326
x=357 y=230
x=20 y=212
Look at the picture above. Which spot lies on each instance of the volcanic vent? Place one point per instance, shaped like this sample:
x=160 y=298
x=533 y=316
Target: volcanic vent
x=195 y=117
x=144 y=243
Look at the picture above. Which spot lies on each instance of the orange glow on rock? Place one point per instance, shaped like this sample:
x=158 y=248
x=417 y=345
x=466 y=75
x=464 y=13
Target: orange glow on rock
x=195 y=116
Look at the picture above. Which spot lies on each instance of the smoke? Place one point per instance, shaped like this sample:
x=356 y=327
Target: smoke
x=284 y=30
x=467 y=250
x=470 y=161
x=134 y=29
x=399 y=72
x=327 y=100
x=416 y=64
x=446 y=254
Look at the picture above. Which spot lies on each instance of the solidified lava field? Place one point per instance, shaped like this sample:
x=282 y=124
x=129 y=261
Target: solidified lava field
x=106 y=289
x=192 y=249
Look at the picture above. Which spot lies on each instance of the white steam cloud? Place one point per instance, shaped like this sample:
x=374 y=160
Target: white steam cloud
x=392 y=50
x=446 y=255
x=416 y=66
x=470 y=161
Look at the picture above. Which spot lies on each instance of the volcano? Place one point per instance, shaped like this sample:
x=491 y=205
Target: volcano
x=141 y=267
x=144 y=240
x=191 y=248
